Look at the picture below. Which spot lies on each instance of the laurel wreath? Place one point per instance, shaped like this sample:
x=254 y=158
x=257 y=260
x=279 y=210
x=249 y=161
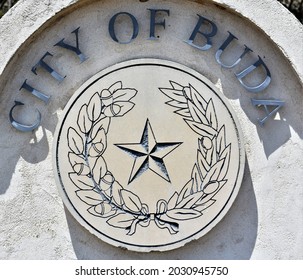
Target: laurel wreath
x=107 y=198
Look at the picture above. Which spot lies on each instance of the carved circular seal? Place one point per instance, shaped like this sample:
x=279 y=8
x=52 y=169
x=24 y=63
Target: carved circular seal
x=148 y=155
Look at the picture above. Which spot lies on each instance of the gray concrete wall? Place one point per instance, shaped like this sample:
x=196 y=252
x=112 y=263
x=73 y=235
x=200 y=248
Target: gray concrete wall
x=266 y=220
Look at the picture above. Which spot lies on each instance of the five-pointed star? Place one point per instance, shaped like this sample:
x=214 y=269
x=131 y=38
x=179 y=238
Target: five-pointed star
x=149 y=154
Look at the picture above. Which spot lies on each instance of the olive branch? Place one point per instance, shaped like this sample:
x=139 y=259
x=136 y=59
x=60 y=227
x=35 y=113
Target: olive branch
x=106 y=197
x=213 y=156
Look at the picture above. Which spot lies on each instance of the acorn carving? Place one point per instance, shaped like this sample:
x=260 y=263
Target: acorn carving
x=106 y=97
x=81 y=169
x=112 y=110
x=206 y=143
x=211 y=187
x=96 y=149
x=98 y=144
x=103 y=209
x=107 y=181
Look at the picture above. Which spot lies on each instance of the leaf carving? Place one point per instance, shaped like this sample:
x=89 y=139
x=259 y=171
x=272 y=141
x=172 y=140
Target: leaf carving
x=174 y=94
x=75 y=159
x=100 y=138
x=103 y=123
x=90 y=197
x=177 y=104
x=211 y=155
x=190 y=200
x=122 y=220
x=201 y=148
x=115 y=87
x=197 y=114
x=197 y=179
x=225 y=155
x=185 y=191
x=203 y=165
x=176 y=85
x=226 y=152
x=125 y=107
x=124 y=94
x=187 y=93
x=197 y=98
x=211 y=114
x=99 y=170
x=183 y=214
x=94 y=107
x=83 y=121
x=183 y=113
x=131 y=201
x=172 y=201
x=216 y=169
x=75 y=141
x=204 y=206
x=116 y=189
x=102 y=209
x=213 y=173
x=81 y=182
x=221 y=140
x=201 y=129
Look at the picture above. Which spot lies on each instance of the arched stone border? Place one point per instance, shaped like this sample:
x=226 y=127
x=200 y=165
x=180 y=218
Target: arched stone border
x=28 y=16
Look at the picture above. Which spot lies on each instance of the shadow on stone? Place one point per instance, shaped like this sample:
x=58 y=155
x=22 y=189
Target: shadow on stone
x=33 y=147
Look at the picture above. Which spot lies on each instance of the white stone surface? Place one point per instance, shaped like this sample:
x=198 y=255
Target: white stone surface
x=266 y=220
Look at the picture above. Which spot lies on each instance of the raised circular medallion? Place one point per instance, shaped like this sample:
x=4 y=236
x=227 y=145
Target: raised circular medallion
x=148 y=155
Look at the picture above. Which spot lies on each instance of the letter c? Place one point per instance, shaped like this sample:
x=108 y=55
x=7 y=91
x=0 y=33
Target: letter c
x=23 y=127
